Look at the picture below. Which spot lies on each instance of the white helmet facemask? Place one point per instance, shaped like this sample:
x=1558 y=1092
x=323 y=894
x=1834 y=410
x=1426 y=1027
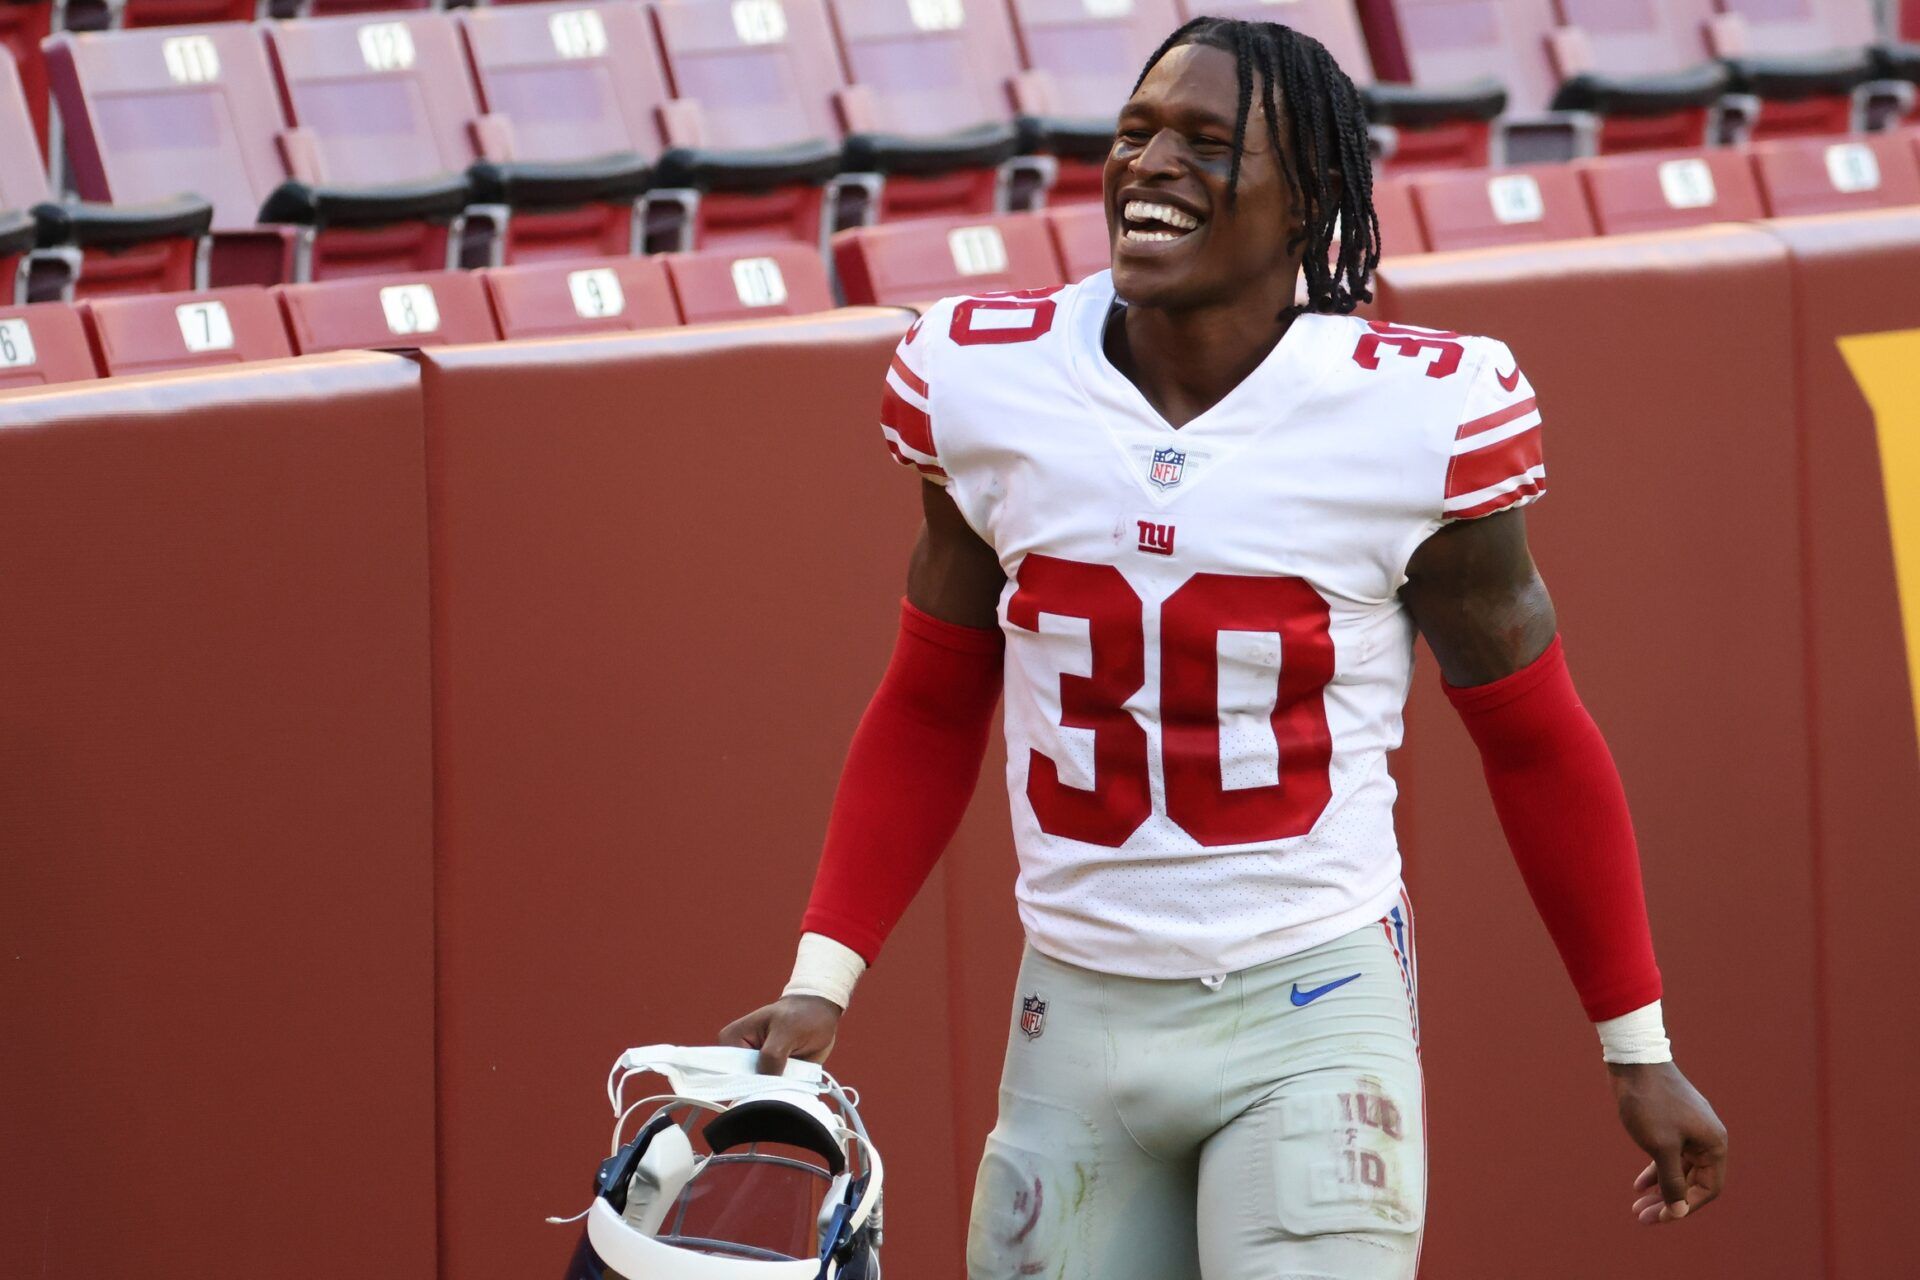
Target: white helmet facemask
x=734 y=1175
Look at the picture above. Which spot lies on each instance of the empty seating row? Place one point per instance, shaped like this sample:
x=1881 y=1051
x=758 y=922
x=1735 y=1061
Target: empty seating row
x=54 y=342
x=914 y=262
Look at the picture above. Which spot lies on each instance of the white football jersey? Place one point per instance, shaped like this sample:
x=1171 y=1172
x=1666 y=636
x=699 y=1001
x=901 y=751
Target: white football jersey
x=1207 y=657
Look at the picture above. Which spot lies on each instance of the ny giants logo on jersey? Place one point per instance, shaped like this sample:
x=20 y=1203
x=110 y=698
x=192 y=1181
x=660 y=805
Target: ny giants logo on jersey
x=1155 y=539
x=1168 y=467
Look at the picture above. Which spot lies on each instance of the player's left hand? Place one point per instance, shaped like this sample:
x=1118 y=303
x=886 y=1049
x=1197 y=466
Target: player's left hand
x=1671 y=1122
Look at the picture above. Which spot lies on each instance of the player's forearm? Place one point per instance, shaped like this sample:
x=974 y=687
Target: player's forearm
x=909 y=774
x=1564 y=812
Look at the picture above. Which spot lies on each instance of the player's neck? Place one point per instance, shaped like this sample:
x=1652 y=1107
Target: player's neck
x=1186 y=361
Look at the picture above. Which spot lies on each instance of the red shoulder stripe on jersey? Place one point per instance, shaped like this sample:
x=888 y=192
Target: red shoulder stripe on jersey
x=1498 y=418
x=1531 y=489
x=913 y=425
x=923 y=468
x=915 y=383
x=1472 y=472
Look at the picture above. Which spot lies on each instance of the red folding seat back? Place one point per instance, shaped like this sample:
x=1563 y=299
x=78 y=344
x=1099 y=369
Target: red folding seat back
x=1645 y=68
x=931 y=99
x=1454 y=42
x=1334 y=23
x=1080 y=239
x=184 y=330
x=1810 y=175
x=915 y=262
x=335 y=8
x=1804 y=58
x=151 y=113
x=1804 y=26
x=549 y=299
x=180 y=13
x=1512 y=206
x=1634 y=193
x=23 y=177
x=1910 y=20
x=1085 y=59
x=566 y=83
x=43 y=343
x=22 y=28
x=778 y=280
x=386 y=313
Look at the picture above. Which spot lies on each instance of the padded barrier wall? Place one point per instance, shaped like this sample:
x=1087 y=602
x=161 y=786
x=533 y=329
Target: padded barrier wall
x=664 y=575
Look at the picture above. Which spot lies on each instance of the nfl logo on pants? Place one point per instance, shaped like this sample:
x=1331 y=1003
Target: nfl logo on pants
x=1167 y=466
x=1033 y=1016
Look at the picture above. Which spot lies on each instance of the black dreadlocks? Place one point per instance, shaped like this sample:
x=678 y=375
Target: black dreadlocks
x=1332 y=173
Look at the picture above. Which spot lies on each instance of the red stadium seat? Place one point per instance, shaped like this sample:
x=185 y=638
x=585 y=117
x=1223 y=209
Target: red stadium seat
x=1080 y=239
x=43 y=343
x=128 y=249
x=1910 y=20
x=1645 y=69
x=1809 y=175
x=1654 y=192
x=613 y=295
x=22 y=28
x=1514 y=206
x=184 y=330
x=915 y=262
x=1429 y=129
x=387 y=313
x=777 y=280
x=1817 y=65
x=754 y=121
x=930 y=106
x=572 y=82
x=1084 y=59
x=1400 y=232
x=148 y=113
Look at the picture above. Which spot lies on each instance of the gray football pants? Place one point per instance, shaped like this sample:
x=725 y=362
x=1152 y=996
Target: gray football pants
x=1221 y=1130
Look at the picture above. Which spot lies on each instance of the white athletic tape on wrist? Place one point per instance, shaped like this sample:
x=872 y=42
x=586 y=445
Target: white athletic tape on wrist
x=825 y=968
x=1640 y=1036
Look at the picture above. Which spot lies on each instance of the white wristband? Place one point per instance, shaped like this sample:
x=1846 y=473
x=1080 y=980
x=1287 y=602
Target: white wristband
x=1640 y=1036
x=825 y=968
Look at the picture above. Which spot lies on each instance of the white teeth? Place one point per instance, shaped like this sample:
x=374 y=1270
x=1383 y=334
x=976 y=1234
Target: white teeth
x=1148 y=237
x=1150 y=211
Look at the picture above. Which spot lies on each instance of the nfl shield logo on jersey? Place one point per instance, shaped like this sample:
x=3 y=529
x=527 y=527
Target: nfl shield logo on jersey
x=1167 y=467
x=1033 y=1016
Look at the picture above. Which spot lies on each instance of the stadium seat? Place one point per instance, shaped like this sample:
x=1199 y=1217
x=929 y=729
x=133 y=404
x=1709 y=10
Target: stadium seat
x=613 y=295
x=1811 y=175
x=387 y=313
x=1080 y=239
x=1818 y=66
x=1910 y=20
x=1513 y=206
x=574 y=82
x=409 y=73
x=753 y=124
x=41 y=344
x=1083 y=58
x=150 y=112
x=95 y=249
x=97 y=15
x=22 y=28
x=929 y=110
x=1417 y=127
x=1654 y=192
x=914 y=262
x=1400 y=232
x=776 y=280
x=184 y=330
x=1646 y=70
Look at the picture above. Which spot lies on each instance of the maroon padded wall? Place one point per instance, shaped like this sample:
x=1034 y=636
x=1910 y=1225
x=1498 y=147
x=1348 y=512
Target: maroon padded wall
x=215 y=877
x=1670 y=538
x=666 y=575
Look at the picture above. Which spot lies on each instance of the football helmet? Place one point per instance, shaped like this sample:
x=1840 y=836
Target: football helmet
x=733 y=1175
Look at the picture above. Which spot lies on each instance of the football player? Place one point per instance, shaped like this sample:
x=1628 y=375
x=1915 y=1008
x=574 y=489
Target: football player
x=1188 y=529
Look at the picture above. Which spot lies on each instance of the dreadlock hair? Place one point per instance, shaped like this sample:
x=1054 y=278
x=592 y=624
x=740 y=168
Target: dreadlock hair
x=1327 y=122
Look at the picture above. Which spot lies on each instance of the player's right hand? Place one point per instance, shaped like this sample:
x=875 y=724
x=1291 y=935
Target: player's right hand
x=801 y=1027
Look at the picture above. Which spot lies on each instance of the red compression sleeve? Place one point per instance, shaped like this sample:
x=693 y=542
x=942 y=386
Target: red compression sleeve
x=908 y=777
x=1564 y=812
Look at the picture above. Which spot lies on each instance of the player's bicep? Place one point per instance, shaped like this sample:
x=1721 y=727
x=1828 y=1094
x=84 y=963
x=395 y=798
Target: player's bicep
x=953 y=575
x=1475 y=593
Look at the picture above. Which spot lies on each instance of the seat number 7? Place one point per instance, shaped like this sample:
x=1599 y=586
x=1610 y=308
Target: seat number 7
x=1191 y=621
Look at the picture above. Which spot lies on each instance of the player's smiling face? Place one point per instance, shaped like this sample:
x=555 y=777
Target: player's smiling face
x=1176 y=241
